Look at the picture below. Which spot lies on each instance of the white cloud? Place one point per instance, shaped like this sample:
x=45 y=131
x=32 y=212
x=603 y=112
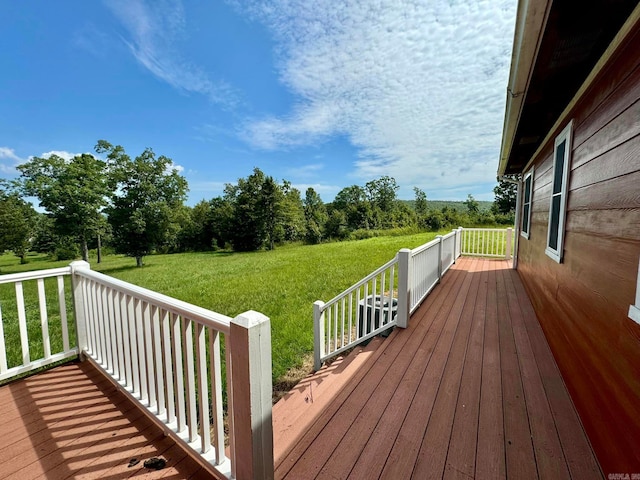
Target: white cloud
x=9 y=154
x=418 y=87
x=60 y=153
x=154 y=28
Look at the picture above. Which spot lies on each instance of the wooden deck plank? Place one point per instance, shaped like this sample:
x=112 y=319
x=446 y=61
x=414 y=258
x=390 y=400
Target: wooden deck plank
x=577 y=449
x=403 y=455
x=387 y=356
x=431 y=460
x=299 y=409
x=464 y=406
x=372 y=460
x=550 y=459
x=490 y=453
x=520 y=458
x=387 y=406
x=326 y=440
x=76 y=425
x=461 y=456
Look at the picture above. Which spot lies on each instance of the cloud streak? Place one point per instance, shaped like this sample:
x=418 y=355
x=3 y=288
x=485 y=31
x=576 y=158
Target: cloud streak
x=9 y=154
x=153 y=28
x=417 y=86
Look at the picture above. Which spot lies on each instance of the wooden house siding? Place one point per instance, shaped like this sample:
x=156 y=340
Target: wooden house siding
x=583 y=302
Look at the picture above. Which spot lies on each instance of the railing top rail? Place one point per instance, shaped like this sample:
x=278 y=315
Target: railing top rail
x=424 y=247
x=201 y=315
x=355 y=286
x=34 y=275
x=449 y=235
x=486 y=229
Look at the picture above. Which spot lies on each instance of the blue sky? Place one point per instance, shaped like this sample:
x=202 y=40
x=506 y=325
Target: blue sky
x=322 y=93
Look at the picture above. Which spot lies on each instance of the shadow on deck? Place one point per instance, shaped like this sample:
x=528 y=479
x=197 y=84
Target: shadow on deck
x=469 y=390
x=71 y=422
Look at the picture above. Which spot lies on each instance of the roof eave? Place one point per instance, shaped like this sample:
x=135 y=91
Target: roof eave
x=530 y=23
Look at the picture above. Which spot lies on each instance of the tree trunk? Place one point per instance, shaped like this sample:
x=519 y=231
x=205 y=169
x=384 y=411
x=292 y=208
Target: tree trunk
x=139 y=261
x=85 y=250
x=99 y=249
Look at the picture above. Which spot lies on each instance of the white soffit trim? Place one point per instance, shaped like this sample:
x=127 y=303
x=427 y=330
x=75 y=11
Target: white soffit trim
x=627 y=29
x=530 y=22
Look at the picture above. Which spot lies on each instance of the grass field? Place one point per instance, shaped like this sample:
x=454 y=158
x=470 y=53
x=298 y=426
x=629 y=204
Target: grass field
x=282 y=284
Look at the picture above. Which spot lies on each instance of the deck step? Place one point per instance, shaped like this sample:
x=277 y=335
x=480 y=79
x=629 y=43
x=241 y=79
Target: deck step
x=294 y=413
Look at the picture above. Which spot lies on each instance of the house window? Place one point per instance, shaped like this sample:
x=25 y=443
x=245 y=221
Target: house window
x=526 y=204
x=557 y=208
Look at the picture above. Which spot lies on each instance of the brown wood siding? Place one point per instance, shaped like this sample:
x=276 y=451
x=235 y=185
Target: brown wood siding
x=582 y=303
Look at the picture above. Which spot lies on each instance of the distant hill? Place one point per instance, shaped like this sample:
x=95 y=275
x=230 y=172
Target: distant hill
x=456 y=205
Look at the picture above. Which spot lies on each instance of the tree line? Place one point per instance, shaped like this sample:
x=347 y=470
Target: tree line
x=135 y=206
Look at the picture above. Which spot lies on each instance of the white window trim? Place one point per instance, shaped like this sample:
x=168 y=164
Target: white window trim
x=524 y=195
x=634 y=310
x=564 y=136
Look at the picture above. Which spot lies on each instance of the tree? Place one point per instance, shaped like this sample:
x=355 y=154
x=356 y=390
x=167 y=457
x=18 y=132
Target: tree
x=382 y=193
x=473 y=207
x=145 y=191
x=352 y=202
x=72 y=191
x=270 y=207
x=505 y=198
x=420 y=205
x=294 y=226
x=17 y=223
x=248 y=226
x=315 y=214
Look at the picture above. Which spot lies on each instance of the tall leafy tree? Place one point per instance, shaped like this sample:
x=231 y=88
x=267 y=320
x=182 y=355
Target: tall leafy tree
x=270 y=208
x=248 y=227
x=293 y=218
x=473 y=207
x=315 y=213
x=352 y=202
x=145 y=190
x=505 y=198
x=73 y=192
x=382 y=192
x=420 y=205
x=17 y=223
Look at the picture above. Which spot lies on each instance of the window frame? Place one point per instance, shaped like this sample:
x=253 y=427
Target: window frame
x=566 y=138
x=527 y=176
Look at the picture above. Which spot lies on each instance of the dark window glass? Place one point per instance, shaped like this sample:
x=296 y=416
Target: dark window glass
x=525 y=219
x=559 y=167
x=527 y=189
x=555 y=221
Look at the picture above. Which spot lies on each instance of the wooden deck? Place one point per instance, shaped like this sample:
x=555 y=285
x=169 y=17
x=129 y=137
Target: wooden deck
x=71 y=422
x=469 y=390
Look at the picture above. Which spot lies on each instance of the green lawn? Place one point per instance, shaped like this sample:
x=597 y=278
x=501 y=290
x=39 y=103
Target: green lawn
x=282 y=284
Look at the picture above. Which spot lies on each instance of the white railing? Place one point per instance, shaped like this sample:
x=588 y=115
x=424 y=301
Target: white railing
x=165 y=354
x=348 y=319
x=428 y=263
x=39 y=326
x=487 y=242
x=339 y=325
x=357 y=314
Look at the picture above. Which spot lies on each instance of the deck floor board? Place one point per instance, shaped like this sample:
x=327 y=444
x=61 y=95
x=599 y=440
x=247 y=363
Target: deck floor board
x=71 y=422
x=469 y=390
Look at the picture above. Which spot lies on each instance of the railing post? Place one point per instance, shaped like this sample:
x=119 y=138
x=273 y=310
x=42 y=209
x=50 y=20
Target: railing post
x=79 y=306
x=507 y=253
x=460 y=230
x=404 y=287
x=318 y=334
x=251 y=385
x=439 y=237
